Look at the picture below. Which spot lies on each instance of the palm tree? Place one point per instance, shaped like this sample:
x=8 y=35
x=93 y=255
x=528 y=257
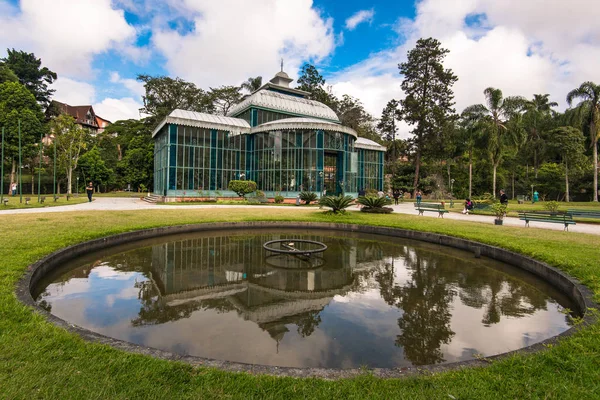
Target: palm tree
x=252 y=84
x=589 y=106
x=538 y=110
x=492 y=120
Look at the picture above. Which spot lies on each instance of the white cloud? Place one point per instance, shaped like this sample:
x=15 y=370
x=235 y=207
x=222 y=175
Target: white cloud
x=234 y=39
x=73 y=92
x=359 y=17
x=67 y=34
x=117 y=109
x=134 y=86
x=520 y=47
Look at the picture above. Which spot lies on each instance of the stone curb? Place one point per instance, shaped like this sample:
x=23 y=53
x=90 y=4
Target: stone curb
x=579 y=294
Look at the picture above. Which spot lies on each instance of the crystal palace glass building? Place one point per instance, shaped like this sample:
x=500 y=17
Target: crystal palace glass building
x=276 y=137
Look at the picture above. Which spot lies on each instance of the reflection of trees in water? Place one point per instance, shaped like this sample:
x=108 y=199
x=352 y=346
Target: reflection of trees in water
x=500 y=294
x=308 y=322
x=425 y=300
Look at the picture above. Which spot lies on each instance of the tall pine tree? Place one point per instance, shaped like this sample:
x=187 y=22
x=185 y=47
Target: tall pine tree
x=429 y=96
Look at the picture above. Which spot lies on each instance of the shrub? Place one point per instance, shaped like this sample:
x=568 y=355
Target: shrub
x=242 y=188
x=374 y=204
x=338 y=204
x=551 y=206
x=499 y=210
x=279 y=199
x=371 y=192
x=308 y=197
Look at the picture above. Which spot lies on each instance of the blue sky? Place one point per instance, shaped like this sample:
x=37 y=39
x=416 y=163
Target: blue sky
x=97 y=47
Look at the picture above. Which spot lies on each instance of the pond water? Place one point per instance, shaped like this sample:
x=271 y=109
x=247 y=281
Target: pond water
x=368 y=300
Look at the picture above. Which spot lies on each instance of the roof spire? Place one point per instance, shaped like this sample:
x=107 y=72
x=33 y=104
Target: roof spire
x=281 y=64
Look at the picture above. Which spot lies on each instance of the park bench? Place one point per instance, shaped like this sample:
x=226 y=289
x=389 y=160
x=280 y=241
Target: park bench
x=5 y=201
x=547 y=216
x=584 y=213
x=482 y=207
x=27 y=200
x=56 y=198
x=42 y=199
x=520 y=199
x=435 y=207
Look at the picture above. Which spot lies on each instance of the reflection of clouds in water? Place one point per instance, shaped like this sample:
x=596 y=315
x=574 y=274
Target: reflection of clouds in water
x=106 y=272
x=127 y=293
x=510 y=334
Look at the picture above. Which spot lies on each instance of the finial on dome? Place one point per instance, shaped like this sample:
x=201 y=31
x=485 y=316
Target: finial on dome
x=282 y=65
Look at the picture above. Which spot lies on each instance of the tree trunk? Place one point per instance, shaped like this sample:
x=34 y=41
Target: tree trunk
x=513 y=185
x=494 y=184
x=120 y=154
x=535 y=169
x=566 y=182
x=595 y=168
x=417 y=168
x=470 y=172
x=69 y=175
x=13 y=172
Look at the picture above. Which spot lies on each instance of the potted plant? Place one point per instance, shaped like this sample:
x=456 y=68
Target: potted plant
x=499 y=211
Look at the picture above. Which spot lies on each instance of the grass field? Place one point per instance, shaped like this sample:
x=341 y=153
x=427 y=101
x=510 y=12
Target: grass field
x=13 y=202
x=41 y=361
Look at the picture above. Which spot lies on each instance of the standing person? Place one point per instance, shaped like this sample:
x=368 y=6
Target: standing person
x=89 y=190
x=503 y=198
x=536 y=196
x=13 y=189
x=419 y=197
x=396 y=195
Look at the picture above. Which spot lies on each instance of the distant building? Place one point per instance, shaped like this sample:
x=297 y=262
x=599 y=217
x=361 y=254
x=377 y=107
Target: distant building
x=84 y=115
x=276 y=136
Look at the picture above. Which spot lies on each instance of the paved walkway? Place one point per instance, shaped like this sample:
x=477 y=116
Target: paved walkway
x=126 y=204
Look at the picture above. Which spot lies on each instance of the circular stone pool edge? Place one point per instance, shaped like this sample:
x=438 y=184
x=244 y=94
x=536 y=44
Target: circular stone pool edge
x=578 y=293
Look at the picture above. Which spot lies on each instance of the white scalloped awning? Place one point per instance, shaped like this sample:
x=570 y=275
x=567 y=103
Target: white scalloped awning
x=363 y=143
x=303 y=123
x=235 y=126
x=286 y=103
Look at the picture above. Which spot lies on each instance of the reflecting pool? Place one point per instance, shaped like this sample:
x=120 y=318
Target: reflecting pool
x=368 y=300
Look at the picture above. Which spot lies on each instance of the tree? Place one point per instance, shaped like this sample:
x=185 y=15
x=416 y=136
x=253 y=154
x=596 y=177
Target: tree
x=428 y=88
x=536 y=119
x=137 y=166
x=164 y=94
x=589 y=106
x=225 y=97
x=69 y=139
x=252 y=84
x=493 y=121
x=17 y=103
x=567 y=142
x=7 y=75
x=29 y=70
x=242 y=188
x=312 y=81
x=93 y=168
x=387 y=125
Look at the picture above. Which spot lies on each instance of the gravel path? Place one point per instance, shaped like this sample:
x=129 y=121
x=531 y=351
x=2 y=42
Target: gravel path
x=128 y=204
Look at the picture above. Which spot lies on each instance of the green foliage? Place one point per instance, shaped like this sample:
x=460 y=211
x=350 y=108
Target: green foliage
x=225 y=97
x=499 y=210
x=164 y=94
x=337 y=204
x=252 y=84
x=312 y=81
x=70 y=142
x=371 y=192
x=279 y=199
x=31 y=74
x=551 y=206
x=242 y=188
x=93 y=168
x=7 y=75
x=429 y=96
x=308 y=197
x=550 y=182
x=375 y=204
x=17 y=103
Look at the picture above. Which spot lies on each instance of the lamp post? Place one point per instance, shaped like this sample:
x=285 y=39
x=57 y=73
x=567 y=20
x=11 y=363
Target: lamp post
x=40 y=167
x=452 y=192
x=532 y=193
x=77 y=188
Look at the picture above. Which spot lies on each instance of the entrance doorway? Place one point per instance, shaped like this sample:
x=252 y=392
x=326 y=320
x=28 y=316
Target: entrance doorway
x=330 y=174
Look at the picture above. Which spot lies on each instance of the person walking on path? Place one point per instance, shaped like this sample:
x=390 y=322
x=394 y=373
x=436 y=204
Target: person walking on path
x=90 y=190
x=396 y=195
x=13 y=189
x=418 y=196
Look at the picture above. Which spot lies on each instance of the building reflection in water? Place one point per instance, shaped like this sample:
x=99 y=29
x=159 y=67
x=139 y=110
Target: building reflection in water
x=232 y=273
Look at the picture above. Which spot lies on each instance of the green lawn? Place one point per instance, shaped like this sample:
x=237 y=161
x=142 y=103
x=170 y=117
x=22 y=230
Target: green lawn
x=13 y=202
x=121 y=194
x=39 y=360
